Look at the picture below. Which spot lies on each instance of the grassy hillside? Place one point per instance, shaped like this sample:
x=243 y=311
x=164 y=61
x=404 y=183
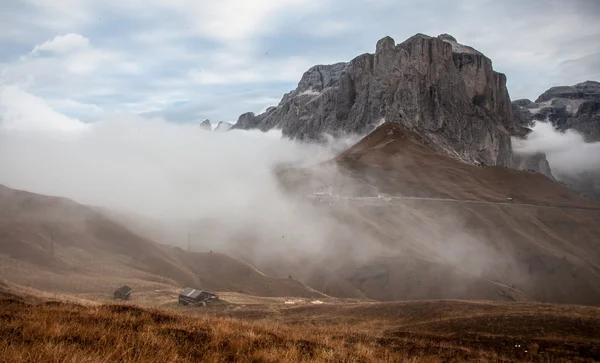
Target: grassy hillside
x=57 y=245
x=471 y=233
x=431 y=331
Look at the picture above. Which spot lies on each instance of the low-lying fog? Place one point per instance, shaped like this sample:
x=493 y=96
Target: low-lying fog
x=567 y=152
x=169 y=180
x=173 y=174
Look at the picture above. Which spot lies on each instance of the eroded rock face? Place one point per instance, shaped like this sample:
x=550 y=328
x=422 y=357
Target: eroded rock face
x=444 y=90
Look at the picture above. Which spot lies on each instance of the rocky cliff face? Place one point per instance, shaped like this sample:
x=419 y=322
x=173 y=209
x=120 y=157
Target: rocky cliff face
x=535 y=162
x=445 y=91
x=566 y=107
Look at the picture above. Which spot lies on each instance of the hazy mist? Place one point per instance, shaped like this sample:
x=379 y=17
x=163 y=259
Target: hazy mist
x=167 y=180
x=175 y=174
x=567 y=152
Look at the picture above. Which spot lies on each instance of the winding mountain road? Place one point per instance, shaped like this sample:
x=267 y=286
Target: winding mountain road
x=333 y=198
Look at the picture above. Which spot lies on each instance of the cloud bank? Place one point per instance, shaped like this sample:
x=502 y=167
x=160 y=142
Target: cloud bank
x=145 y=164
x=220 y=187
x=567 y=152
x=175 y=174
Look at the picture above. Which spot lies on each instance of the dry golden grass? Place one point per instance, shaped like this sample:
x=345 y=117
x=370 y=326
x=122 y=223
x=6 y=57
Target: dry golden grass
x=72 y=333
x=66 y=332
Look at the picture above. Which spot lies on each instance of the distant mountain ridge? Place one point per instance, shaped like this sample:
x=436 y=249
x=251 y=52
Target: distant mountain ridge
x=567 y=108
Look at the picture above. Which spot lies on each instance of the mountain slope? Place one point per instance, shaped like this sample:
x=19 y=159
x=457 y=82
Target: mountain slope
x=450 y=226
x=55 y=244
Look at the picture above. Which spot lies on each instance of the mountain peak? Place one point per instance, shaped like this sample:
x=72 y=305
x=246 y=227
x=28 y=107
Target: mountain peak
x=441 y=89
x=447 y=37
x=206 y=125
x=385 y=43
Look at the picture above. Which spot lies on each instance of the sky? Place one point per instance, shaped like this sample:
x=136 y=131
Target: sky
x=189 y=60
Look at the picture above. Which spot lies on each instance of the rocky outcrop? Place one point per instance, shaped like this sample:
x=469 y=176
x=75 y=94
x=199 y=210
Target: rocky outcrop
x=445 y=91
x=566 y=107
x=569 y=107
x=223 y=126
x=534 y=162
x=206 y=126
x=522 y=114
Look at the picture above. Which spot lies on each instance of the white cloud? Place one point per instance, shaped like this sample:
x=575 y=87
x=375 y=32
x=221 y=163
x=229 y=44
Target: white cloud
x=207 y=77
x=62 y=44
x=567 y=152
x=166 y=170
x=69 y=66
x=159 y=36
x=58 y=16
x=235 y=20
x=20 y=110
x=91 y=60
x=581 y=69
x=136 y=50
x=264 y=70
x=69 y=8
x=78 y=109
x=330 y=28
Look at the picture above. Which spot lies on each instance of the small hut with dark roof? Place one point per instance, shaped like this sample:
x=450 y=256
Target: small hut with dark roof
x=123 y=293
x=194 y=297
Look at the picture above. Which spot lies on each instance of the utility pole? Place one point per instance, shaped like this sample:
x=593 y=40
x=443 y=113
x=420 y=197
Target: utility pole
x=52 y=232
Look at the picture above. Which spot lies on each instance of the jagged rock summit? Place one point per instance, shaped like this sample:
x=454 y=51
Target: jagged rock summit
x=445 y=91
x=206 y=125
x=223 y=126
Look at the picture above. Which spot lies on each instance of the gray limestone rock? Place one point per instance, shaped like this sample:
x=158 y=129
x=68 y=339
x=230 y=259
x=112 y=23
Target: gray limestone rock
x=585 y=90
x=535 y=162
x=522 y=116
x=206 y=126
x=445 y=91
x=572 y=107
x=567 y=108
x=524 y=103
